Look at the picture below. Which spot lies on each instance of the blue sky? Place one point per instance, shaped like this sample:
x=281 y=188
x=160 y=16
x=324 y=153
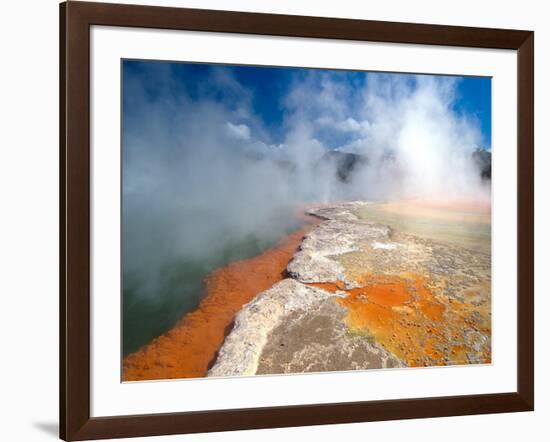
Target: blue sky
x=266 y=91
x=474 y=98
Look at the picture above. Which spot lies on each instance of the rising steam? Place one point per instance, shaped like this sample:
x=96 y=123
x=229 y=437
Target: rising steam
x=201 y=169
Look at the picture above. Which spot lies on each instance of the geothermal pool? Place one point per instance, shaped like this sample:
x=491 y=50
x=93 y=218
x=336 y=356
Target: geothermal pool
x=208 y=303
x=435 y=262
x=151 y=308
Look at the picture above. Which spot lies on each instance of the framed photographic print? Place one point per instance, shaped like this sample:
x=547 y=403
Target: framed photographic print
x=272 y=220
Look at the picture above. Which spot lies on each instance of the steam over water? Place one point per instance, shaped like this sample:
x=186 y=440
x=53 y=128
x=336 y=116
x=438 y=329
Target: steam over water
x=217 y=161
x=152 y=306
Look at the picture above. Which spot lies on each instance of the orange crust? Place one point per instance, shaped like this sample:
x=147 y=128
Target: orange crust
x=403 y=314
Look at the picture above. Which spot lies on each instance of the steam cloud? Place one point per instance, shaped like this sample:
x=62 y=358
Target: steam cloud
x=200 y=168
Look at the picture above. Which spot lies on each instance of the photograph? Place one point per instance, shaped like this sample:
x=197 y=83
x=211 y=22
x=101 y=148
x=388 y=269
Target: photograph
x=286 y=220
x=227 y=221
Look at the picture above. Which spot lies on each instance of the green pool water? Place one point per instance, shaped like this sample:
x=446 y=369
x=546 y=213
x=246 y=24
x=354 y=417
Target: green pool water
x=180 y=288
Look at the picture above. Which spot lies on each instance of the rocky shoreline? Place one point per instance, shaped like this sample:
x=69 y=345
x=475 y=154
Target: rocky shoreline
x=189 y=348
x=361 y=296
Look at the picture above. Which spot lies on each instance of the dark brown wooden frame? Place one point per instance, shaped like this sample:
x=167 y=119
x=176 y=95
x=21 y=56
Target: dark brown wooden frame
x=75 y=21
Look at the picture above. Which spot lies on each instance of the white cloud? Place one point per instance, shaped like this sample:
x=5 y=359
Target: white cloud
x=352 y=125
x=238 y=131
x=347 y=125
